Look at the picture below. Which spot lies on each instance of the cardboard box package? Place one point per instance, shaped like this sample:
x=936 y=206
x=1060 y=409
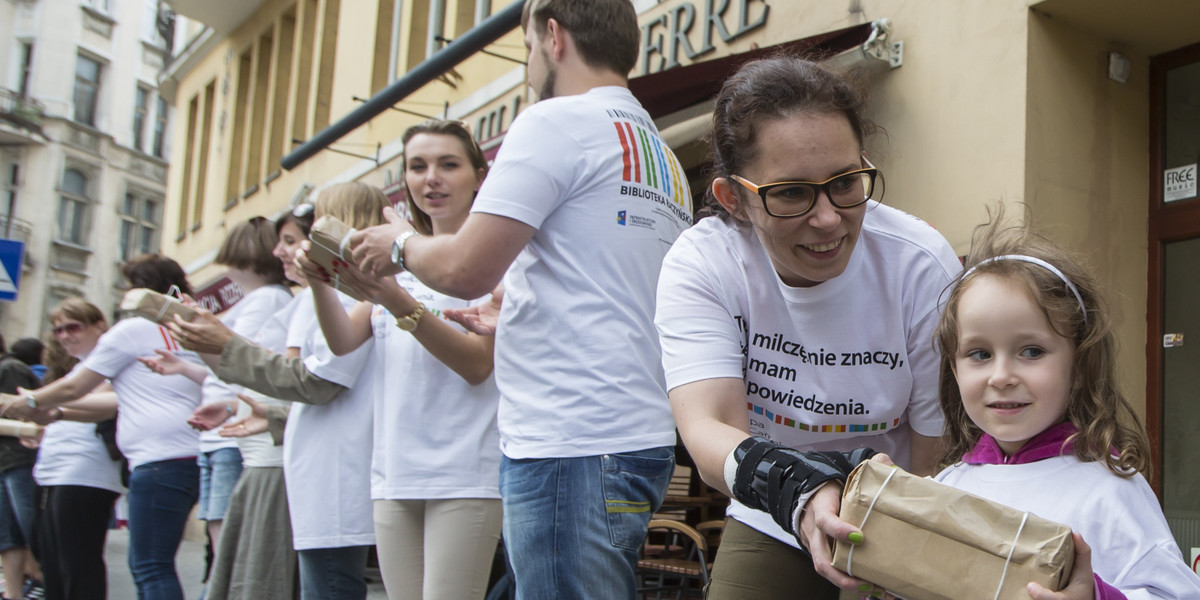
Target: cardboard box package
x=329 y=248
x=155 y=306
x=924 y=540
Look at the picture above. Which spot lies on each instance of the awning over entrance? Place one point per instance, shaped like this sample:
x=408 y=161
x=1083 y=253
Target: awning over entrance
x=668 y=91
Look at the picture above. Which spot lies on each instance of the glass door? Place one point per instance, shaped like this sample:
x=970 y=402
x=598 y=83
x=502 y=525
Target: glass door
x=1173 y=327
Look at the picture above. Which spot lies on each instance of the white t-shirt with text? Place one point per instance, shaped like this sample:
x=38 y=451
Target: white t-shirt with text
x=577 y=357
x=846 y=363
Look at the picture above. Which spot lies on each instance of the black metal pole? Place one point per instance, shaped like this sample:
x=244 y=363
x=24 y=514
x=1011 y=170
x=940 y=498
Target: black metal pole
x=492 y=29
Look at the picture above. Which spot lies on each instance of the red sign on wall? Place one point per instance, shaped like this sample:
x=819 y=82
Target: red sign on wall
x=219 y=295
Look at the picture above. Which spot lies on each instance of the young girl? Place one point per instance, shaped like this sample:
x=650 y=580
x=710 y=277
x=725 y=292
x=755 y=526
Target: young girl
x=436 y=461
x=1035 y=418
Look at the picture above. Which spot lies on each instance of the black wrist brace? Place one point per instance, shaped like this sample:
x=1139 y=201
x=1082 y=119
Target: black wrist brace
x=771 y=477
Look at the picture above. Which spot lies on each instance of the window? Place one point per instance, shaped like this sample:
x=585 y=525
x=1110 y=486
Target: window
x=26 y=73
x=100 y=5
x=139 y=225
x=73 y=208
x=160 y=127
x=141 y=101
x=87 y=87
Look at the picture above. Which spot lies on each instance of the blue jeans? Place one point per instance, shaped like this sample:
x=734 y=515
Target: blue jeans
x=18 y=501
x=161 y=494
x=219 y=472
x=573 y=526
x=333 y=573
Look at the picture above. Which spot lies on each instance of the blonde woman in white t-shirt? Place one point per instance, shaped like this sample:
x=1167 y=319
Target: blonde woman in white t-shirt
x=435 y=465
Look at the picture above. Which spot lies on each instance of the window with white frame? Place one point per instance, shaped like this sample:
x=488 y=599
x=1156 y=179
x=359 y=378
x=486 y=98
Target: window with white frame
x=87 y=89
x=73 y=207
x=160 y=127
x=141 y=111
x=140 y=222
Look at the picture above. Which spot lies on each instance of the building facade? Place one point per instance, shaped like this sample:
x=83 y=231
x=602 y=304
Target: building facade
x=1082 y=111
x=84 y=144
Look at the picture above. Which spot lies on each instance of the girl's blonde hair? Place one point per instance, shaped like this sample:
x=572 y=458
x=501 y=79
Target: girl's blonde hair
x=1109 y=430
x=356 y=204
x=421 y=221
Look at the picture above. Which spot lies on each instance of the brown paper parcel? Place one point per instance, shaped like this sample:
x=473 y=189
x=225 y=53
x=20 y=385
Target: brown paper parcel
x=329 y=248
x=155 y=306
x=924 y=540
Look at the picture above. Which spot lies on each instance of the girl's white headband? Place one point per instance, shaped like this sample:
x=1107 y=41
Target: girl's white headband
x=1041 y=263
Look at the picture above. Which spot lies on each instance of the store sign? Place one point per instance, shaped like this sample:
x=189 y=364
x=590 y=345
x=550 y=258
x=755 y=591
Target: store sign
x=1179 y=183
x=692 y=30
x=219 y=295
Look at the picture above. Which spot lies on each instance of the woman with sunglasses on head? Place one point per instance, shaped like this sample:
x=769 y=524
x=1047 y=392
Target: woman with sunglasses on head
x=797 y=319
x=436 y=460
x=79 y=475
x=152 y=431
x=327 y=440
x=246 y=252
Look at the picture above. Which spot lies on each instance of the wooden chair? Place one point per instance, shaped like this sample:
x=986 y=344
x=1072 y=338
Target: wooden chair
x=691 y=500
x=675 y=558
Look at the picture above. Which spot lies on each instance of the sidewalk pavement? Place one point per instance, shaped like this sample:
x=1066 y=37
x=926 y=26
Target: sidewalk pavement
x=189 y=562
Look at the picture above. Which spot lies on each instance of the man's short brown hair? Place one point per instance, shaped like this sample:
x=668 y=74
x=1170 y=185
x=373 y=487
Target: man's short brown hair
x=605 y=31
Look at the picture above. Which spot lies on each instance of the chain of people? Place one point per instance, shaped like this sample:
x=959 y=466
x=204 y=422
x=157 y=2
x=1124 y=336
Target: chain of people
x=512 y=360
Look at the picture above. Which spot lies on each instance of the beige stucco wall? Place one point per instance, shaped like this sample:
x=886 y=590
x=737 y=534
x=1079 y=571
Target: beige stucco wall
x=1087 y=169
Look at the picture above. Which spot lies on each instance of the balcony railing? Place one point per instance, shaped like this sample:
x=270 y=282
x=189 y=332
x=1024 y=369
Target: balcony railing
x=22 y=111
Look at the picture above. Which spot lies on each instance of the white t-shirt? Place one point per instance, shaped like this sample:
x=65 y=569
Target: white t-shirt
x=577 y=358
x=1120 y=519
x=327 y=449
x=245 y=318
x=260 y=450
x=73 y=454
x=846 y=363
x=435 y=434
x=153 y=409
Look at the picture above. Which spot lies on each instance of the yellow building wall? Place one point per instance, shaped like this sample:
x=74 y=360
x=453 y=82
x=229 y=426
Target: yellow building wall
x=349 y=76
x=1086 y=179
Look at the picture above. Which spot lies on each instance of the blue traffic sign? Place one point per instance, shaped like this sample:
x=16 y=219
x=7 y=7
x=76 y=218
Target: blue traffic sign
x=12 y=256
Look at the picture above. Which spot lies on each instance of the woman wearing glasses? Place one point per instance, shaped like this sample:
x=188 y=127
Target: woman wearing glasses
x=152 y=430
x=802 y=314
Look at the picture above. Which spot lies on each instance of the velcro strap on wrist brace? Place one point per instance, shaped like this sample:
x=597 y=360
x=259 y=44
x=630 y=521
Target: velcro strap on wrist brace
x=772 y=477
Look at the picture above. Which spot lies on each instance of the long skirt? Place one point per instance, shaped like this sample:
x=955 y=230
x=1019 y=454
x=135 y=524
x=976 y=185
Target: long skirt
x=255 y=559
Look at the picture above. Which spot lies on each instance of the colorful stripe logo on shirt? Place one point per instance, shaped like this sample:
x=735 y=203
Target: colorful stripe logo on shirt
x=646 y=160
x=779 y=419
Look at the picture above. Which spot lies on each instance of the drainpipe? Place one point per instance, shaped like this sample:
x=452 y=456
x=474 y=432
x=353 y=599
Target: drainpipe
x=478 y=38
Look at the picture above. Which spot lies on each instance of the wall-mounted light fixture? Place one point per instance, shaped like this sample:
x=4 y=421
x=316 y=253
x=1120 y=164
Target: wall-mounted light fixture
x=1118 y=67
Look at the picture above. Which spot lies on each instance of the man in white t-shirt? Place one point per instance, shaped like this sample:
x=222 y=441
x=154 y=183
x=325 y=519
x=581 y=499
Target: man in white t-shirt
x=582 y=203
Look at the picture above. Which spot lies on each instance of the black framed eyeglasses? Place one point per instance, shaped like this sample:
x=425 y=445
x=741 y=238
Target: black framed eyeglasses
x=794 y=198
